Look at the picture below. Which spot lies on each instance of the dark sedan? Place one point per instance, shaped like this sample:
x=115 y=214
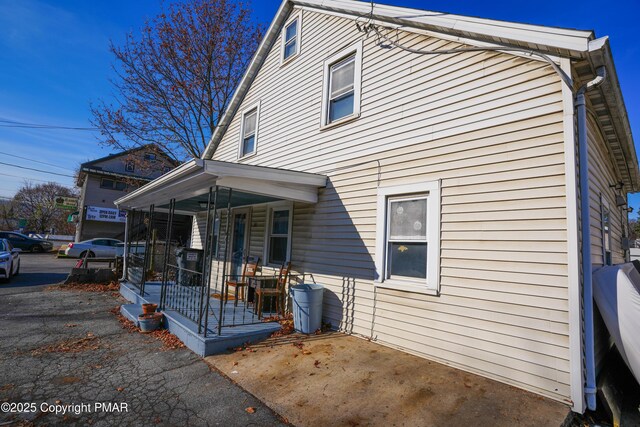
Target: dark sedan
x=26 y=243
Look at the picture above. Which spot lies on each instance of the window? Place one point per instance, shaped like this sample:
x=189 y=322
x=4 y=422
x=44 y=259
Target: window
x=408 y=237
x=278 y=248
x=249 y=131
x=150 y=157
x=341 y=88
x=605 y=213
x=291 y=39
x=111 y=184
x=130 y=167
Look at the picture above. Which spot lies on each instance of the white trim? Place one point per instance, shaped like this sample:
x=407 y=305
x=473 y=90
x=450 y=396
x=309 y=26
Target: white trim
x=271 y=206
x=576 y=377
x=249 y=109
x=356 y=49
x=432 y=285
x=297 y=16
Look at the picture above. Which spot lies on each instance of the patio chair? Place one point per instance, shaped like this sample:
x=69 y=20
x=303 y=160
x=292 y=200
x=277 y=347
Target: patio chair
x=250 y=269
x=279 y=292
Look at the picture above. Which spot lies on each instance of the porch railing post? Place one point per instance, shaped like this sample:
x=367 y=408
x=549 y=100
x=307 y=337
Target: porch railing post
x=224 y=291
x=205 y=259
x=125 y=251
x=129 y=254
x=165 y=271
x=145 y=266
x=209 y=261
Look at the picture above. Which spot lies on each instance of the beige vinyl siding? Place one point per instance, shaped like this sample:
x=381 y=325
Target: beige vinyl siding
x=490 y=126
x=601 y=176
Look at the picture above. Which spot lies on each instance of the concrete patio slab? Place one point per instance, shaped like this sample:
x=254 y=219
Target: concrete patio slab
x=340 y=380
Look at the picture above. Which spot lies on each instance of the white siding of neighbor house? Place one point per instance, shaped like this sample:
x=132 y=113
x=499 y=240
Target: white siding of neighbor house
x=490 y=126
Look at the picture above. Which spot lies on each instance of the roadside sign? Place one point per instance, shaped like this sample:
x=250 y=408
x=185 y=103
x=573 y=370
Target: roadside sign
x=22 y=223
x=96 y=213
x=66 y=202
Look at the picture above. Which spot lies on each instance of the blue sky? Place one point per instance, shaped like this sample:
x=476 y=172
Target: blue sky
x=54 y=60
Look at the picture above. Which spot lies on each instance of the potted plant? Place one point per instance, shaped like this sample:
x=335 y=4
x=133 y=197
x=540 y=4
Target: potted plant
x=149 y=322
x=149 y=308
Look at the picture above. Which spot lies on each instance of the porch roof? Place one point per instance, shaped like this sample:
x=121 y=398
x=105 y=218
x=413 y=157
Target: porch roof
x=251 y=184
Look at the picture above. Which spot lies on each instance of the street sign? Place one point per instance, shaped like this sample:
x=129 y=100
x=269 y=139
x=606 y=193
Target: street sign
x=66 y=202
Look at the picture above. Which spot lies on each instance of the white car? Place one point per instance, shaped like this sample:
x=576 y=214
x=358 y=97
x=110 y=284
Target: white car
x=9 y=260
x=101 y=248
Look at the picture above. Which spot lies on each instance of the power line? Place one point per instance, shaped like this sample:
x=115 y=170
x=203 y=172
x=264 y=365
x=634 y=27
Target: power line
x=31 y=179
x=15 y=124
x=36 y=161
x=37 y=170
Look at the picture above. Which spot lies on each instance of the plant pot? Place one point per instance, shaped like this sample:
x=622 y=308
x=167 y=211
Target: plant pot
x=149 y=322
x=149 y=308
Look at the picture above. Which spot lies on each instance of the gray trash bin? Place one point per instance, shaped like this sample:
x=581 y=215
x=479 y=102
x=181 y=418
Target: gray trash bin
x=307 y=307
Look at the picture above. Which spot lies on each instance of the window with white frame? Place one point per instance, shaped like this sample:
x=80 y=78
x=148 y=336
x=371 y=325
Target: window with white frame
x=408 y=237
x=291 y=39
x=278 y=235
x=341 y=89
x=249 y=131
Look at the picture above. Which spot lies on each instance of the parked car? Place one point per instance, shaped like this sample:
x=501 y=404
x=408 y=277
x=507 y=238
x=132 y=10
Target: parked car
x=26 y=243
x=9 y=260
x=101 y=248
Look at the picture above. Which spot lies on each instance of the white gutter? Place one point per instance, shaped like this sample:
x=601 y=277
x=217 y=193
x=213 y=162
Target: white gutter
x=587 y=293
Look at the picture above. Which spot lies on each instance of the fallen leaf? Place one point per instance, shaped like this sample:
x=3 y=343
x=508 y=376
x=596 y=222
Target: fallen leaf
x=250 y=409
x=235 y=363
x=316 y=363
x=58 y=402
x=306 y=352
x=71 y=325
x=120 y=389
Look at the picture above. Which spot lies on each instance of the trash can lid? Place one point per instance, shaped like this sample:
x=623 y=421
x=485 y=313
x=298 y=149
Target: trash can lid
x=304 y=287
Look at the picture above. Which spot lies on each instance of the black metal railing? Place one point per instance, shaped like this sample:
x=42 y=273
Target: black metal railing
x=136 y=269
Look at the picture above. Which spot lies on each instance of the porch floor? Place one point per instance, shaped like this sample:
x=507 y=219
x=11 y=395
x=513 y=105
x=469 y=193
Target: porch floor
x=187 y=330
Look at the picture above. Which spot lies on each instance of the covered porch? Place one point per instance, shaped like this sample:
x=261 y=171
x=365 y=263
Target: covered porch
x=187 y=276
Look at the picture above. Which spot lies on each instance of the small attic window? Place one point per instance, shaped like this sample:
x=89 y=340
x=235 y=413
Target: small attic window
x=291 y=39
x=150 y=157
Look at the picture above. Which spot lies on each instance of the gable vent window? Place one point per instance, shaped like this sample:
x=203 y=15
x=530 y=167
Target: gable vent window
x=291 y=39
x=249 y=131
x=342 y=76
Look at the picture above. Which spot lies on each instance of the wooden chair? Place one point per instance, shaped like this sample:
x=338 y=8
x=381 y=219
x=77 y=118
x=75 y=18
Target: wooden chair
x=250 y=269
x=279 y=292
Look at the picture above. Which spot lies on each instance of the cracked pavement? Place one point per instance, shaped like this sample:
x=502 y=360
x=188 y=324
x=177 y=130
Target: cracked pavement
x=160 y=387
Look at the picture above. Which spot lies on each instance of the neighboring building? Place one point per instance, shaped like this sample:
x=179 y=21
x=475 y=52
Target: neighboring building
x=448 y=219
x=106 y=179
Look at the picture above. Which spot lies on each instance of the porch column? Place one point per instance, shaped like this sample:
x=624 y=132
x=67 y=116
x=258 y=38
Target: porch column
x=206 y=262
x=224 y=291
x=165 y=270
x=145 y=264
x=125 y=251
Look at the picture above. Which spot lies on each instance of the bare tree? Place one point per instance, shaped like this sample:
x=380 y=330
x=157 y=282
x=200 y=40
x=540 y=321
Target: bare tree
x=36 y=204
x=176 y=79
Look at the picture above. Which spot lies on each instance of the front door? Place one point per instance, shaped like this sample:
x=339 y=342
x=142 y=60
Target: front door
x=239 y=239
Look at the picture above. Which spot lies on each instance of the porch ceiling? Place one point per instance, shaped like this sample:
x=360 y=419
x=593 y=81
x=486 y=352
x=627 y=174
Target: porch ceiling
x=189 y=184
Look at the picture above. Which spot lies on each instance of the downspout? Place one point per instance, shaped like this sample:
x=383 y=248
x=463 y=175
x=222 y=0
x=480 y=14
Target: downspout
x=583 y=143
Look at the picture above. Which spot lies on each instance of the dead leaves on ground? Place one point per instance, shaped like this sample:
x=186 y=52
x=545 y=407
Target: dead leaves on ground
x=169 y=341
x=250 y=410
x=86 y=287
x=90 y=342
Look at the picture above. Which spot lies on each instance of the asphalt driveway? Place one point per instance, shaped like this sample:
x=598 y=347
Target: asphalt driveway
x=64 y=350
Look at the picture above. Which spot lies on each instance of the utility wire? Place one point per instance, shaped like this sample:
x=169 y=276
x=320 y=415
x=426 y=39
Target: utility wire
x=394 y=43
x=37 y=170
x=29 y=178
x=36 y=161
x=15 y=124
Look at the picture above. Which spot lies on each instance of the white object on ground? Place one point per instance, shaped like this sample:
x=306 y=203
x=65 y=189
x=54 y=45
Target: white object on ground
x=616 y=290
